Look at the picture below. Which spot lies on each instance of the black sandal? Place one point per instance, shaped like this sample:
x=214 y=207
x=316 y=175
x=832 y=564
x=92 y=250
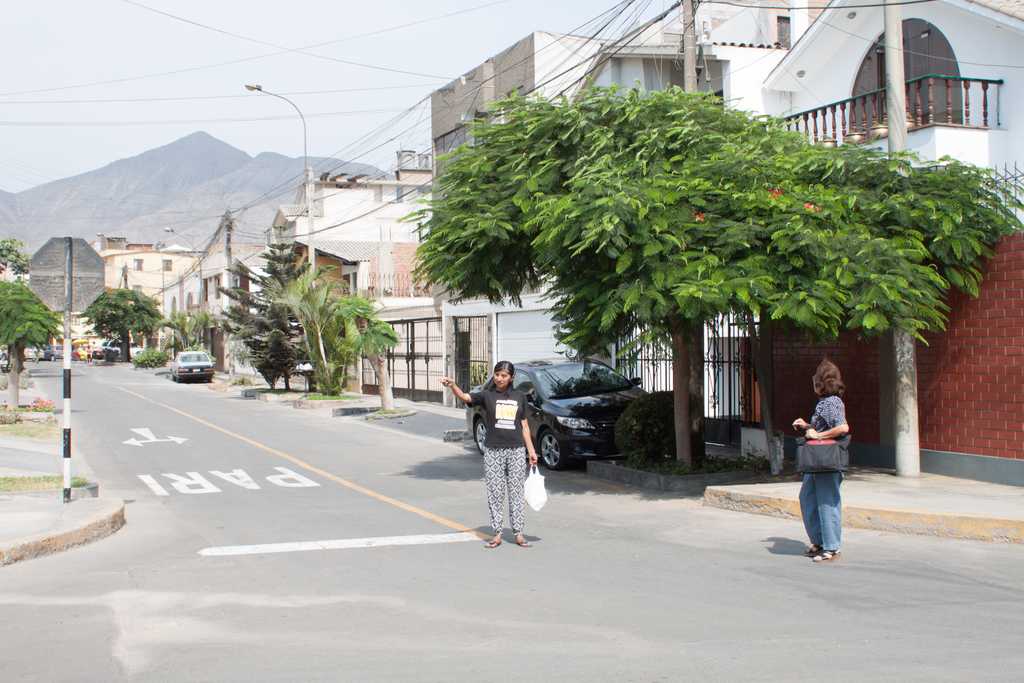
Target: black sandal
x=813 y=550
x=826 y=556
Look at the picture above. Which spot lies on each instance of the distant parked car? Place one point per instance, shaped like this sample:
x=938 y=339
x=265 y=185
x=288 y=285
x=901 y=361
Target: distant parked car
x=33 y=354
x=572 y=408
x=51 y=352
x=192 y=366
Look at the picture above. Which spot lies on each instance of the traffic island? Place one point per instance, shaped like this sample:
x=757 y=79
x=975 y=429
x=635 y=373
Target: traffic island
x=36 y=525
x=929 y=505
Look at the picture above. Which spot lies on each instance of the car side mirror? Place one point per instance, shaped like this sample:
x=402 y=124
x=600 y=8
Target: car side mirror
x=637 y=381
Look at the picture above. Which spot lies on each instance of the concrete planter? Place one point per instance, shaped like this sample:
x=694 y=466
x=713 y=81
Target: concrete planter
x=690 y=484
x=376 y=415
x=290 y=397
x=352 y=411
x=307 y=404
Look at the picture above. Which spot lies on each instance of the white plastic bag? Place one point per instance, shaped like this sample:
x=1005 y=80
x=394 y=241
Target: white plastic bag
x=535 y=494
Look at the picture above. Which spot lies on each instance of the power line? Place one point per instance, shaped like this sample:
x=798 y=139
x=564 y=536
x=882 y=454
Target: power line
x=266 y=43
x=813 y=7
x=243 y=60
x=193 y=98
x=174 y=122
x=922 y=54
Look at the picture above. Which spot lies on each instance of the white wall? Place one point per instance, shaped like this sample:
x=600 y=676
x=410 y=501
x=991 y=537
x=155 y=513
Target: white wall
x=980 y=39
x=335 y=205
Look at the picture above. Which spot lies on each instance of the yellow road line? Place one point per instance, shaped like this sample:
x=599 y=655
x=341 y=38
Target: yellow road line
x=443 y=521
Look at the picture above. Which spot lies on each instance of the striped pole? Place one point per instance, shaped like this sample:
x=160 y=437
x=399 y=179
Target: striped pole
x=66 y=453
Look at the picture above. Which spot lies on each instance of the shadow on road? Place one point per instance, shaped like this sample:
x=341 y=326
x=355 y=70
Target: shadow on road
x=785 y=546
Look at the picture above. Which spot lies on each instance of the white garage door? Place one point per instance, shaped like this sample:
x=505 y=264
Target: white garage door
x=526 y=335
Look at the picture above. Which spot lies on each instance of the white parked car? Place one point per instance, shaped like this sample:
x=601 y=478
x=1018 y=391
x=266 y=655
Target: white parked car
x=191 y=366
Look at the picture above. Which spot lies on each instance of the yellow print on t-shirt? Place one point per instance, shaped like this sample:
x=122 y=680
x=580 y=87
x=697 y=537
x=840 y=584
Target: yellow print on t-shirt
x=505 y=412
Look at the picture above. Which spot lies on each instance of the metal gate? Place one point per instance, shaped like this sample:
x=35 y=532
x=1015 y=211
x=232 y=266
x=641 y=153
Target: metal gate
x=415 y=364
x=472 y=360
x=730 y=387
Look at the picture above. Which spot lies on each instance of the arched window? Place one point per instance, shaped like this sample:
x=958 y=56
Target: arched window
x=188 y=302
x=174 y=304
x=926 y=51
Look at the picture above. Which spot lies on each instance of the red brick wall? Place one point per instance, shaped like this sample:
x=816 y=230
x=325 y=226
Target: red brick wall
x=796 y=359
x=970 y=377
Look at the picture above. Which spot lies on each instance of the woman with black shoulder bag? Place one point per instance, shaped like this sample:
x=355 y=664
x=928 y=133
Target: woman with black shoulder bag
x=822 y=457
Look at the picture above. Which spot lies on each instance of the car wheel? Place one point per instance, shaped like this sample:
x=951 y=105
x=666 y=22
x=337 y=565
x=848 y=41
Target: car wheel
x=479 y=434
x=174 y=378
x=551 y=451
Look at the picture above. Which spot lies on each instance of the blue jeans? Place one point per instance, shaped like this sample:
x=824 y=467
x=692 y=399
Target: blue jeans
x=821 y=507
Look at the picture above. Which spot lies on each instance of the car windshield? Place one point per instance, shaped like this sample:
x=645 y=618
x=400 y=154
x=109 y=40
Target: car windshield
x=579 y=379
x=194 y=358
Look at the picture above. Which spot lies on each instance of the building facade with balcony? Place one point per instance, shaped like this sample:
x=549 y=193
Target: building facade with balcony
x=963 y=68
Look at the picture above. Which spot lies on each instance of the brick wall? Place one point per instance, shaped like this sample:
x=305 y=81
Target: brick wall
x=970 y=377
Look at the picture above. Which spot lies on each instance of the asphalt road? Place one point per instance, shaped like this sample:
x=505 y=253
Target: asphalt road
x=619 y=586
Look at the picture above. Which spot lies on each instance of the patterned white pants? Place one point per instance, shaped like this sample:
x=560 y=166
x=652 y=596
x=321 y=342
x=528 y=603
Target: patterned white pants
x=505 y=474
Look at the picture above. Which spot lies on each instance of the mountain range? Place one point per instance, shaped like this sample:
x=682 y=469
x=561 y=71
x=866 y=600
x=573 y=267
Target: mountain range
x=185 y=185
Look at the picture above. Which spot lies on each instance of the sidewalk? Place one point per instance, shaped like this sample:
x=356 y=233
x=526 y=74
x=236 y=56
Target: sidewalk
x=931 y=505
x=38 y=523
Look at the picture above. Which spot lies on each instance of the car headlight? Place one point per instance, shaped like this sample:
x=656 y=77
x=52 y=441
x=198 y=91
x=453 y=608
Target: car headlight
x=575 y=422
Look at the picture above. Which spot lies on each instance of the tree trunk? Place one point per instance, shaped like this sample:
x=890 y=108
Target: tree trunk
x=697 y=394
x=681 y=390
x=387 y=398
x=126 y=347
x=761 y=343
x=14 y=375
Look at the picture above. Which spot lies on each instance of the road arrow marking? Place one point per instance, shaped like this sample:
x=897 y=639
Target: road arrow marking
x=148 y=437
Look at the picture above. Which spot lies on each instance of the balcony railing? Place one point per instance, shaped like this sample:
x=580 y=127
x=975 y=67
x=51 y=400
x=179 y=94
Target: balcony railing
x=378 y=285
x=932 y=100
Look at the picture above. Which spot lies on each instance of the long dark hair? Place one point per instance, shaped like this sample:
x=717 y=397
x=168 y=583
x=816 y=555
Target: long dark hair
x=504 y=365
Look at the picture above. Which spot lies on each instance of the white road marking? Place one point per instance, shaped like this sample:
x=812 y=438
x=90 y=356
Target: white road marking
x=148 y=437
x=153 y=485
x=337 y=544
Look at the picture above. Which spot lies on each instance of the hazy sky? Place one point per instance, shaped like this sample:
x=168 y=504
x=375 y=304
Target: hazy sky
x=49 y=47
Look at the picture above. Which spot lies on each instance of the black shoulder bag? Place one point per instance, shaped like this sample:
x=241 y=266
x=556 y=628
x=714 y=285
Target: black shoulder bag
x=823 y=455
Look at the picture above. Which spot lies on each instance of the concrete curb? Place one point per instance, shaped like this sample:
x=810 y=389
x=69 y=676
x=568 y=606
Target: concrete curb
x=106 y=519
x=899 y=521
x=690 y=484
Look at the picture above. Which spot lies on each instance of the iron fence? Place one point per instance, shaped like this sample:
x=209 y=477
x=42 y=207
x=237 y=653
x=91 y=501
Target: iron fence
x=730 y=386
x=471 y=357
x=415 y=364
x=1011 y=179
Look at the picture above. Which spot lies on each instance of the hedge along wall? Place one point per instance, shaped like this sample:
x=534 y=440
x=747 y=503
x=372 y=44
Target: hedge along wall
x=970 y=377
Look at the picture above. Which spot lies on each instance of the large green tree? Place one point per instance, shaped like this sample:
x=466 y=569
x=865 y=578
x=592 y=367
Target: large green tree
x=24 y=322
x=261 y=320
x=657 y=212
x=119 y=313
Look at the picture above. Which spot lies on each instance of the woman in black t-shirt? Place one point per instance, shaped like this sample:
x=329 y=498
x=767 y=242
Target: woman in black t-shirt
x=505 y=449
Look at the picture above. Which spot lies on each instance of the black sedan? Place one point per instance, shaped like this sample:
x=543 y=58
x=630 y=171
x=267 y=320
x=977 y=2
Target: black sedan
x=572 y=407
x=192 y=366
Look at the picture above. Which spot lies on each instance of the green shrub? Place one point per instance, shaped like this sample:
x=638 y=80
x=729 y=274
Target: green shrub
x=150 y=358
x=8 y=417
x=646 y=430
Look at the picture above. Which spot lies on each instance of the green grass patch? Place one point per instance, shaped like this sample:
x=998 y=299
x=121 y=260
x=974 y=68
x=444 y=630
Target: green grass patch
x=31 y=430
x=48 y=483
x=331 y=397
x=279 y=391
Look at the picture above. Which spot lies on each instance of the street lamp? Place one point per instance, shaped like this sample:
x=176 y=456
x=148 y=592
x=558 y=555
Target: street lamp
x=308 y=172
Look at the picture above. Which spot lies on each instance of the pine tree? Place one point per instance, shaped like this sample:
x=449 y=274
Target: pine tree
x=261 y=322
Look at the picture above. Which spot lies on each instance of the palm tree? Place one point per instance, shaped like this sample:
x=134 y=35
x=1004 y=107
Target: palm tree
x=315 y=300
x=187 y=329
x=371 y=337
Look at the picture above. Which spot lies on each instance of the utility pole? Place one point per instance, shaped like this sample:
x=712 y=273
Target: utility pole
x=229 y=228
x=689 y=47
x=66 y=374
x=124 y=276
x=902 y=348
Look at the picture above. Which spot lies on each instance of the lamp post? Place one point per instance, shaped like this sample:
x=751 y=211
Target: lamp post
x=307 y=173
